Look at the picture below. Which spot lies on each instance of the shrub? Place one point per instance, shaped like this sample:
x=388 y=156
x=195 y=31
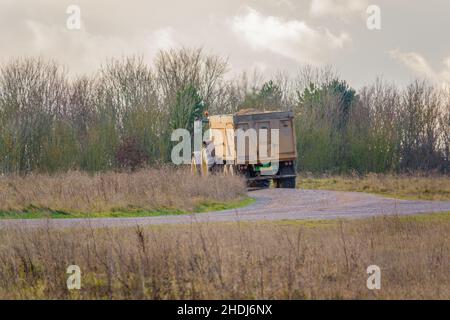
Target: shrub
x=131 y=155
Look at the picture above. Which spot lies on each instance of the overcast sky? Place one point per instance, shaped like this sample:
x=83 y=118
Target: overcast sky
x=414 y=40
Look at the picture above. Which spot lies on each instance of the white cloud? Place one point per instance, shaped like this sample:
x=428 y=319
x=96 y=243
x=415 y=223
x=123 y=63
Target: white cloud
x=421 y=68
x=86 y=51
x=163 y=39
x=339 y=8
x=287 y=3
x=293 y=39
x=445 y=74
x=70 y=45
x=415 y=62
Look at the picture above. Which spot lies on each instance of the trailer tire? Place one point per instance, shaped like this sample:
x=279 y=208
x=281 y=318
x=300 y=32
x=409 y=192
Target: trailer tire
x=265 y=184
x=276 y=183
x=287 y=183
x=260 y=184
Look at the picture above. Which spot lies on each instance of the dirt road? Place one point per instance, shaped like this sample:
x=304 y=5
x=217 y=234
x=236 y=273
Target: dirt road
x=272 y=204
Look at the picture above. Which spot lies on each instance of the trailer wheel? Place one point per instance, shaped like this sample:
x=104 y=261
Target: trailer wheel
x=260 y=184
x=287 y=183
x=277 y=183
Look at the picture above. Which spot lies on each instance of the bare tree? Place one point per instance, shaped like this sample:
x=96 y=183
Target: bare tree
x=178 y=69
x=33 y=95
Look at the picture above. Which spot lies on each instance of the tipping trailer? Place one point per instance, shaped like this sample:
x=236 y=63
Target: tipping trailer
x=266 y=165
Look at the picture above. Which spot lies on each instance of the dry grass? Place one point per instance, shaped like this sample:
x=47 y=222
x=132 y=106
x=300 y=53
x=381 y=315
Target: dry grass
x=400 y=186
x=232 y=261
x=144 y=190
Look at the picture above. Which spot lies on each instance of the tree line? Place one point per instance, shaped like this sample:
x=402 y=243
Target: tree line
x=122 y=116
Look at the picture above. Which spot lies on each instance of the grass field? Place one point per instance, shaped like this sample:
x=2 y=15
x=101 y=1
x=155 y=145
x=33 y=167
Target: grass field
x=265 y=260
x=150 y=192
x=411 y=187
x=282 y=260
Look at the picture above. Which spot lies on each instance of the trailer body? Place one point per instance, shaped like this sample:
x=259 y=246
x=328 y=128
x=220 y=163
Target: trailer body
x=267 y=165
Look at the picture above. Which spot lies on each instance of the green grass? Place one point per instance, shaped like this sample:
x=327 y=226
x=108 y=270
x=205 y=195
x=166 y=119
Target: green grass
x=33 y=212
x=207 y=206
x=393 y=186
x=432 y=217
x=421 y=218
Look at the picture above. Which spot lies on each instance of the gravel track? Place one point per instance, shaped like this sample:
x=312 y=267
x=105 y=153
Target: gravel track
x=270 y=205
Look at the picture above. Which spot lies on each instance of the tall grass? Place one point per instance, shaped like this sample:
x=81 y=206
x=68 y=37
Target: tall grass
x=231 y=261
x=148 y=189
x=406 y=186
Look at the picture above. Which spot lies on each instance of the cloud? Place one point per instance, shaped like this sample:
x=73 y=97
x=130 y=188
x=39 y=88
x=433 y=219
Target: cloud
x=445 y=74
x=87 y=50
x=287 y=3
x=73 y=45
x=339 y=8
x=292 y=39
x=421 y=68
x=161 y=39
